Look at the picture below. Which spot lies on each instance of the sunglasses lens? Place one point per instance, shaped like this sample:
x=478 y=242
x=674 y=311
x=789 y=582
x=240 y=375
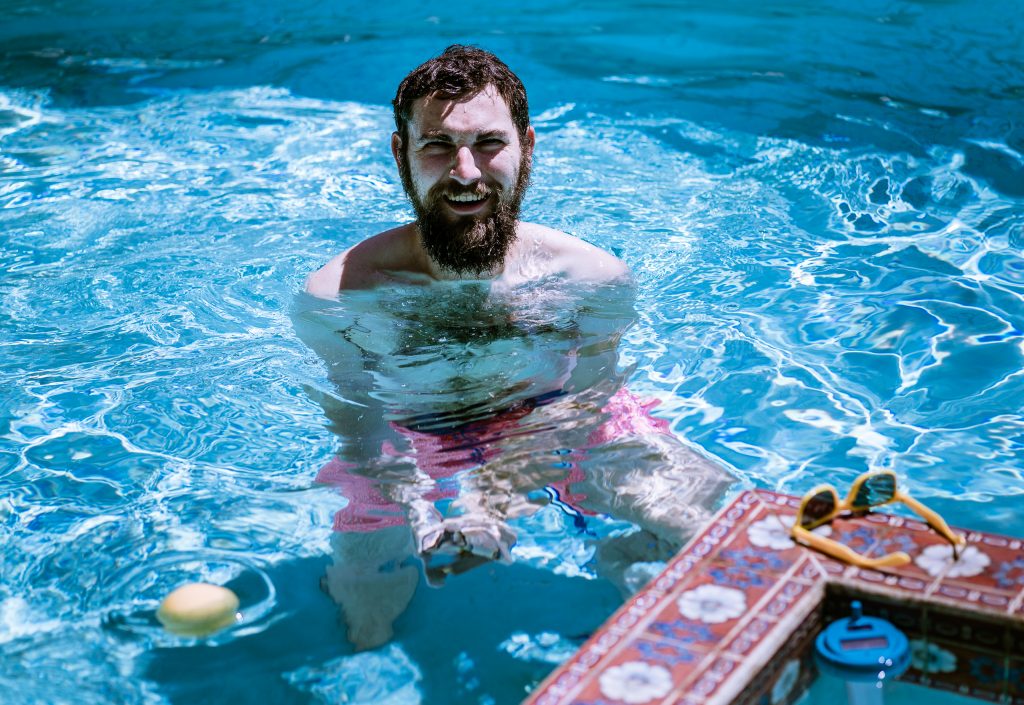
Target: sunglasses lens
x=875 y=490
x=818 y=508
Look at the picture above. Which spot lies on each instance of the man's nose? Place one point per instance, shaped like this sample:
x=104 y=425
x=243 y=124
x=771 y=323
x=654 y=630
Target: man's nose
x=465 y=170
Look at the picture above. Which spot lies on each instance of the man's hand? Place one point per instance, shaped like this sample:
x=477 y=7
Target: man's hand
x=486 y=537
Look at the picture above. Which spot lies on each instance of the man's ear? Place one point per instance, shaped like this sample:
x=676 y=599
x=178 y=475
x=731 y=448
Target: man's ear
x=531 y=140
x=396 y=148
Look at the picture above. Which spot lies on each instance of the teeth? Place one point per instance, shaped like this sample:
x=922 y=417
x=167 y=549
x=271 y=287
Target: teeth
x=466 y=198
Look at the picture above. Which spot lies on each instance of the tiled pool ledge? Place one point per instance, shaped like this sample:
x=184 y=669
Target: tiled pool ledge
x=731 y=619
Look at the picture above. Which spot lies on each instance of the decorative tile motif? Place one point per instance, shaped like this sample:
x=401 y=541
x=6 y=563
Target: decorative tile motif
x=733 y=616
x=992 y=565
x=635 y=682
x=956 y=667
x=711 y=680
x=1015 y=678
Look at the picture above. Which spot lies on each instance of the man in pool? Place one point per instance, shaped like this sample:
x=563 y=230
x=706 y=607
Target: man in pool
x=523 y=406
x=463 y=145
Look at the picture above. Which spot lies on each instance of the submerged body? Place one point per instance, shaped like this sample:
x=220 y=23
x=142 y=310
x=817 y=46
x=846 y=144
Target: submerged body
x=464 y=407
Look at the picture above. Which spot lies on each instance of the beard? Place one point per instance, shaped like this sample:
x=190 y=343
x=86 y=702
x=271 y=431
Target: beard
x=471 y=244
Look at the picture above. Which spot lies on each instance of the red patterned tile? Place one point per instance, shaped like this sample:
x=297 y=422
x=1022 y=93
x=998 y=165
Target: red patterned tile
x=666 y=652
x=646 y=668
x=874 y=535
x=810 y=570
x=690 y=632
x=719 y=607
x=556 y=689
x=706 y=544
x=766 y=622
x=636 y=613
x=789 y=593
x=741 y=583
x=784 y=502
x=893 y=579
x=958 y=595
x=831 y=566
x=916 y=539
x=598 y=647
x=993 y=563
x=865 y=535
x=737 y=510
x=778 y=602
x=710 y=680
x=862 y=534
x=744 y=567
x=680 y=570
x=762 y=545
x=721 y=525
x=750 y=636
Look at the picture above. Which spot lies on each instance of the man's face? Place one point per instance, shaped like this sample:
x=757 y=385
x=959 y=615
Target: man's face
x=465 y=171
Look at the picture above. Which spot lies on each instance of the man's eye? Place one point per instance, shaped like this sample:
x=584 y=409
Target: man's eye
x=437 y=147
x=492 y=143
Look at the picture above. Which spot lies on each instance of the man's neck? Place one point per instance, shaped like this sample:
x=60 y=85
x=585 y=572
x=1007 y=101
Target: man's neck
x=441 y=273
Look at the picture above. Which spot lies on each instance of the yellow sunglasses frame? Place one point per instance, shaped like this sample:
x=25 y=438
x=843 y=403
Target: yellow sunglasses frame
x=802 y=534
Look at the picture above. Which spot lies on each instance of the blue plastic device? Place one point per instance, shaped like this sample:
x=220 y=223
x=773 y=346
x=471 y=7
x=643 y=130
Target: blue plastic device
x=862 y=649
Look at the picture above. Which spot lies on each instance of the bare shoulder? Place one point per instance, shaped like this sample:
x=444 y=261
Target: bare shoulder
x=572 y=257
x=366 y=264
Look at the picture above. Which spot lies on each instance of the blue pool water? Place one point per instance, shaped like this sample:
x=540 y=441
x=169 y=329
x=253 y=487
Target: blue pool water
x=831 y=688
x=822 y=204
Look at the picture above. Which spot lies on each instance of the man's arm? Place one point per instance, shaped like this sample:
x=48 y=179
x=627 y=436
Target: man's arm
x=390 y=255
x=325 y=283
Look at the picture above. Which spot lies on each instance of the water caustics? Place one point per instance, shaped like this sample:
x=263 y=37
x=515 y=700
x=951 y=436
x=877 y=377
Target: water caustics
x=827 y=254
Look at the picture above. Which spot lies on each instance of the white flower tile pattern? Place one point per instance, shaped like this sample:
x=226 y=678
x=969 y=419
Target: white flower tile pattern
x=635 y=682
x=712 y=604
x=936 y=558
x=772 y=532
x=931 y=658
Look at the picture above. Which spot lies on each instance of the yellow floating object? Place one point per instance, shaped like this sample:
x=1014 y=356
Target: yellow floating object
x=198 y=609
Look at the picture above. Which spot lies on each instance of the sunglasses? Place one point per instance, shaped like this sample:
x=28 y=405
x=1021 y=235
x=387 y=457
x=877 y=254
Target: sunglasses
x=872 y=489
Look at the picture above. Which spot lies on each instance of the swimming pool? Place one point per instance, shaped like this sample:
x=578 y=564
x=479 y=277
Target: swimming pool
x=822 y=204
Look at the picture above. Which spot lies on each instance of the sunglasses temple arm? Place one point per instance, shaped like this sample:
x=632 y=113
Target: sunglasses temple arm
x=845 y=553
x=932 y=517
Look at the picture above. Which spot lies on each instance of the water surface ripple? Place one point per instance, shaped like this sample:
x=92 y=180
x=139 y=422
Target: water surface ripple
x=827 y=250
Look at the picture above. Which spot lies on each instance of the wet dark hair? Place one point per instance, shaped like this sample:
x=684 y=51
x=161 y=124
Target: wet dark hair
x=458 y=72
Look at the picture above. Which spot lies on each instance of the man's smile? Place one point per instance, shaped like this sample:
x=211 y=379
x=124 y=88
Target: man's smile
x=467 y=203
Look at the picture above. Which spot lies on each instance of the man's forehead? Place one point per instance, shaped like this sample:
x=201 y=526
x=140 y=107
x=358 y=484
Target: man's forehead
x=484 y=110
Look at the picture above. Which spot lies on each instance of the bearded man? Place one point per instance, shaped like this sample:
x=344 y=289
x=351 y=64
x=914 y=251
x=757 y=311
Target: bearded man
x=463 y=145
x=456 y=403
